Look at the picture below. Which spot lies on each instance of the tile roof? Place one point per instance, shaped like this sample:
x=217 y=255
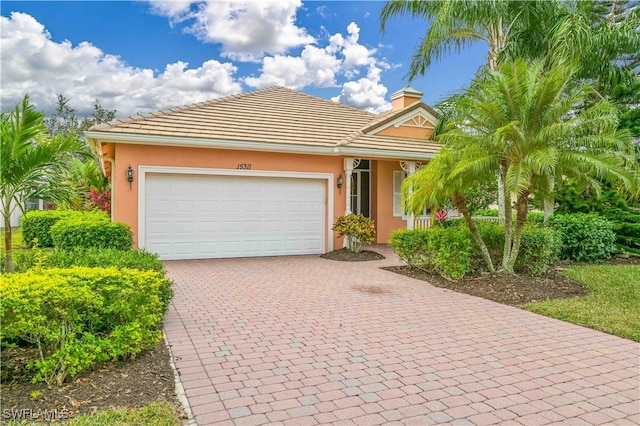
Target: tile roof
x=276 y=115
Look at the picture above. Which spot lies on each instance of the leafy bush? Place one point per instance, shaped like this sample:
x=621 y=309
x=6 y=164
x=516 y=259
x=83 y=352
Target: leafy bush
x=623 y=213
x=71 y=234
x=96 y=257
x=585 y=237
x=535 y=217
x=486 y=213
x=78 y=316
x=357 y=229
x=411 y=246
x=445 y=251
x=36 y=225
x=539 y=249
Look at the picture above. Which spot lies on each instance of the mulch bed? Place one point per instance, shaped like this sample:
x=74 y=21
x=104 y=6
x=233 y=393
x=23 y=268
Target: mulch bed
x=148 y=378
x=515 y=290
x=345 y=255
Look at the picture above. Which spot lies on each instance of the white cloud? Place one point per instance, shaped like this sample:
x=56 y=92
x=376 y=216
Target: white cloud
x=364 y=93
x=247 y=30
x=314 y=67
x=32 y=63
x=323 y=66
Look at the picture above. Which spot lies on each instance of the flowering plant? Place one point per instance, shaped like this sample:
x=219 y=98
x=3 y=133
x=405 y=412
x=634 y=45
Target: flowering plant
x=358 y=230
x=441 y=215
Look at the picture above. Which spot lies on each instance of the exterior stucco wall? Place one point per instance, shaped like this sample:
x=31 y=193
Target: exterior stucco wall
x=126 y=198
x=386 y=222
x=407 y=132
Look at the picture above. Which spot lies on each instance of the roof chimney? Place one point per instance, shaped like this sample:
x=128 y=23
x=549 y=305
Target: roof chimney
x=405 y=97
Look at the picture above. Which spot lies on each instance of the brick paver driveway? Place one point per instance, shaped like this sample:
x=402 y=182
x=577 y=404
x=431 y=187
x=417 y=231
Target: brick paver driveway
x=304 y=340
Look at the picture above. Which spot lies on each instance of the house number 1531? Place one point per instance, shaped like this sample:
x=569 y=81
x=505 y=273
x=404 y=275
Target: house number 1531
x=244 y=166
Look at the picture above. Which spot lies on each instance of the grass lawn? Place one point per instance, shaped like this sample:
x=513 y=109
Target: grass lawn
x=16 y=238
x=612 y=306
x=157 y=413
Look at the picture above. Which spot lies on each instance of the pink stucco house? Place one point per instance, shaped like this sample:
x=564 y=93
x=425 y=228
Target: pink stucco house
x=263 y=173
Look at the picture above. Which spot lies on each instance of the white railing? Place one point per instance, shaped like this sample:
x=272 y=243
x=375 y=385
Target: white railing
x=489 y=218
x=421 y=222
x=425 y=221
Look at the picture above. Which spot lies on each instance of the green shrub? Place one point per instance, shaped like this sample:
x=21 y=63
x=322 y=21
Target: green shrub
x=71 y=234
x=411 y=246
x=357 y=229
x=78 y=316
x=109 y=257
x=540 y=247
x=36 y=225
x=95 y=257
x=486 y=213
x=445 y=251
x=535 y=217
x=585 y=237
x=492 y=234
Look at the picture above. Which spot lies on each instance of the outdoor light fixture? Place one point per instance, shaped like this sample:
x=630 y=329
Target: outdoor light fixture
x=129 y=175
x=340 y=182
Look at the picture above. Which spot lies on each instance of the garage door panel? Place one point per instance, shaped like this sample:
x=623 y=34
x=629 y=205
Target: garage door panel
x=201 y=216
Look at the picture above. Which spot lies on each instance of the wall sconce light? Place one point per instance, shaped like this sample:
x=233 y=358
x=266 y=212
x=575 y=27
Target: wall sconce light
x=129 y=175
x=340 y=182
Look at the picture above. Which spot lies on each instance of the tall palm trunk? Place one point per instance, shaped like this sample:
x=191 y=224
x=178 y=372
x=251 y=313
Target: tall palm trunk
x=461 y=205
x=549 y=200
x=508 y=219
x=500 y=197
x=521 y=218
x=8 y=257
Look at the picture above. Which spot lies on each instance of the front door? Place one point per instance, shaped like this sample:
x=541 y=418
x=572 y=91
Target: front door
x=361 y=189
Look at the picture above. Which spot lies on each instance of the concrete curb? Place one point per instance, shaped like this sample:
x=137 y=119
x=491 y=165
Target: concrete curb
x=180 y=394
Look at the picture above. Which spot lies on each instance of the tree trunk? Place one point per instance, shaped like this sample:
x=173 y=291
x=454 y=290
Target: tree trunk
x=508 y=219
x=549 y=200
x=501 y=215
x=522 y=209
x=8 y=258
x=461 y=205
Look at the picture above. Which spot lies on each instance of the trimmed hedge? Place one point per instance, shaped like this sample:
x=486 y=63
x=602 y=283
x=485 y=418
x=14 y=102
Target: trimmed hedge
x=585 y=237
x=79 y=316
x=96 y=257
x=445 y=251
x=36 y=225
x=451 y=251
x=72 y=234
x=539 y=248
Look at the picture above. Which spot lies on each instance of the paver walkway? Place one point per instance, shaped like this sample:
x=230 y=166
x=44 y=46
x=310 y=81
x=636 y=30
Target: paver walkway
x=304 y=340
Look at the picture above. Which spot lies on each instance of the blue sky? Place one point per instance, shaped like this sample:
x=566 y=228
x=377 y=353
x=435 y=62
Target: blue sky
x=151 y=55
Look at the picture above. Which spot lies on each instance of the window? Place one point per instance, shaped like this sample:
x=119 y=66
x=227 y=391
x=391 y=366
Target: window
x=398 y=177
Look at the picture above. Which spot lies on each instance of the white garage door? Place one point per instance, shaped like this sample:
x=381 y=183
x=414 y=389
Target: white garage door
x=199 y=217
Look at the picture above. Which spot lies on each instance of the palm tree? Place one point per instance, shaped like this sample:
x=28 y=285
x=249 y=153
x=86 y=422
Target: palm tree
x=31 y=164
x=504 y=25
x=523 y=121
x=84 y=176
x=600 y=38
x=434 y=186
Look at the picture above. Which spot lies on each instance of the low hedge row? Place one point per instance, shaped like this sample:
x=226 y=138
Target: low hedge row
x=451 y=252
x=142 y=260
x=445 y=251
x=77 y=316
x=585 y=237
x=36 y=225
x=71 y=234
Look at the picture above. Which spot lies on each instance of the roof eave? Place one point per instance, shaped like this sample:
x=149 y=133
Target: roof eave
x=253 y=146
